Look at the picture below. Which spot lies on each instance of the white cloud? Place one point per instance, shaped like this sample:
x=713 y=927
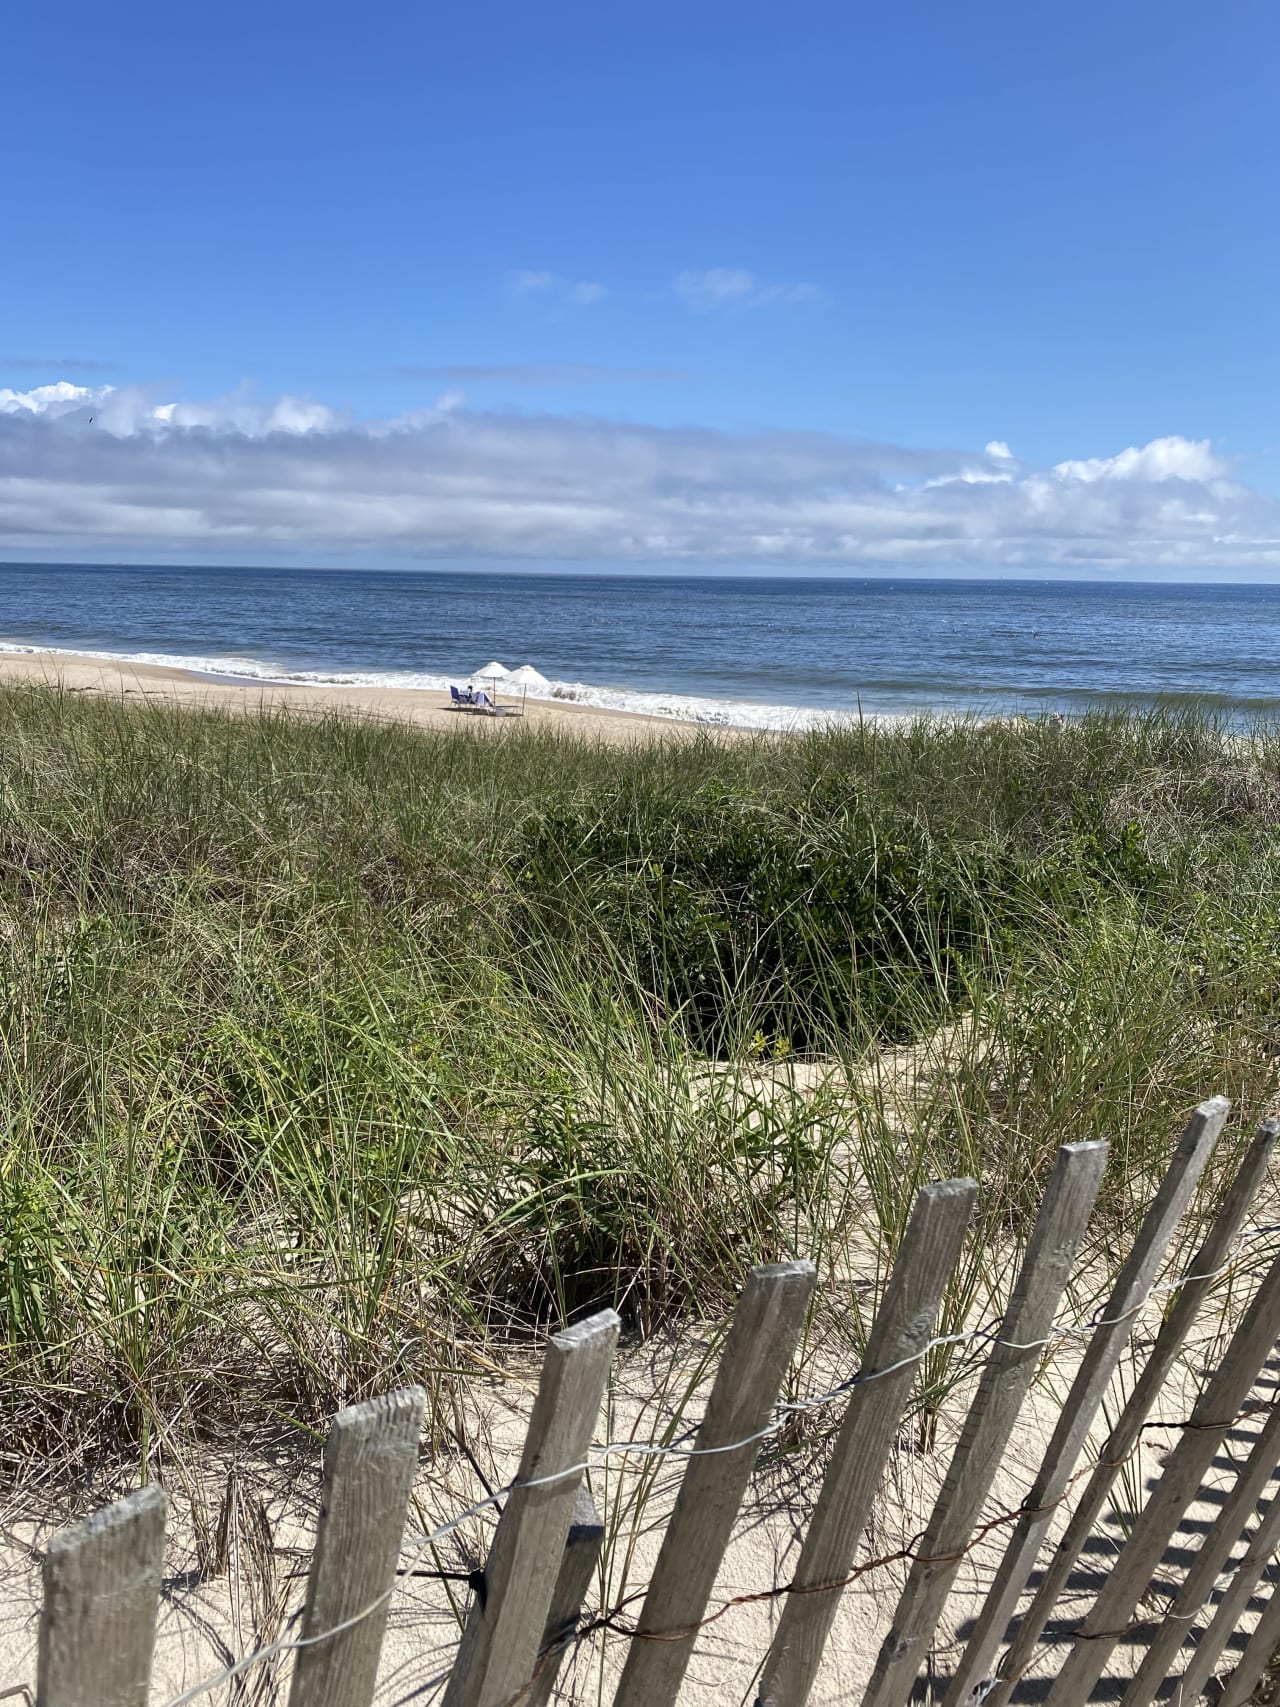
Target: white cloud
x=1163 y=459
x=246 y=478
x=582 y=292
x=999 y=449
x=971 y=477
x=708 y=288
x=47 y=399
x=715 y=287
x=127 y=409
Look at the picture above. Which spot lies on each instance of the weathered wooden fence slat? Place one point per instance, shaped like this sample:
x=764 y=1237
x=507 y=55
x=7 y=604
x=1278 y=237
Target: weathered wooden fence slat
x=498 y=1654
x=1211 y=1556
x=928 y=1254
x=1213 y=1253
x=766 y=1326
x=1260 y=1650
x=1214 y=1413
x=1080 y=1407
x=101 y=1598
x=579 y=1559
x=1007 y=1374
x=1234 y=1603
x=369 y=1462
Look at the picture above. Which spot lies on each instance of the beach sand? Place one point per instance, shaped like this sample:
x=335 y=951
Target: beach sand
x=208 y=1620
x=83 y=674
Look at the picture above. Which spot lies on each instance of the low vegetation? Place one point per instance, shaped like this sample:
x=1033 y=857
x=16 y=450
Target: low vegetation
x=336 y=1053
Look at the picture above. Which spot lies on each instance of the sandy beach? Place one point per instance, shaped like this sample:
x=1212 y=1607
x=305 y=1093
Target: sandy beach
x=214 y=1614
x=77 y=673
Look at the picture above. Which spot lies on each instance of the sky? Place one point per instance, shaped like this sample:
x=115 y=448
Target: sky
x=843 y=287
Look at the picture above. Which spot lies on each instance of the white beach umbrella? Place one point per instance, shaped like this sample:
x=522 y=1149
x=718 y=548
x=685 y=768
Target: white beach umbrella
x=491 y=674
x=526 y=677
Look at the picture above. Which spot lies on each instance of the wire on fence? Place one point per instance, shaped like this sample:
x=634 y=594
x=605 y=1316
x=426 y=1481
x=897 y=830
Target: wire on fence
x=784 y=1411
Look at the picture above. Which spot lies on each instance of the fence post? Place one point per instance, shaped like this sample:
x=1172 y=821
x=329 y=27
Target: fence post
x=101 y=1596
x=899 y=1335
x=1102 y=1354
x=1211 y=1256
x=1215 y=1412
x=766 y=1325
x=1068 y=1199
x=579 y=1560
x=498 y=1655
x=369 y=1462
x=1205 y=1569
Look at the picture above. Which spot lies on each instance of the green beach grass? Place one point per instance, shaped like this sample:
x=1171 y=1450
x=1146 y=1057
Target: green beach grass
x=336 y=1054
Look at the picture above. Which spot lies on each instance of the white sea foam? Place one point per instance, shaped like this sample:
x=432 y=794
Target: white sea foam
x=676 y=707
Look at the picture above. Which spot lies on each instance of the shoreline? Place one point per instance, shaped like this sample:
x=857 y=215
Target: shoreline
x=421 y=707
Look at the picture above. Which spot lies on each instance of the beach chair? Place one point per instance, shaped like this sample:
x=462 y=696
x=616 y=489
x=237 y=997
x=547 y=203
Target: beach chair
x=485 y=704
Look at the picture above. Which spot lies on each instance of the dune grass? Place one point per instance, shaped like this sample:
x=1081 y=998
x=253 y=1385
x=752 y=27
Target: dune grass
x=335 y=1054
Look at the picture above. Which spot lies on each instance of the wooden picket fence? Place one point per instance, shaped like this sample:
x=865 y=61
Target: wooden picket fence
x=102 y=1577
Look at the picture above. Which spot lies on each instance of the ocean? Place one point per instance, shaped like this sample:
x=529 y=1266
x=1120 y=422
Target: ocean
x=754 y=652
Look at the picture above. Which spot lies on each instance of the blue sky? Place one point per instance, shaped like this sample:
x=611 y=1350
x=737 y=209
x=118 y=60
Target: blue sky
x=860 y=243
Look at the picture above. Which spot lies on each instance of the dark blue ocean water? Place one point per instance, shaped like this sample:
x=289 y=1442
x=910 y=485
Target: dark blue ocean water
x=741 y=650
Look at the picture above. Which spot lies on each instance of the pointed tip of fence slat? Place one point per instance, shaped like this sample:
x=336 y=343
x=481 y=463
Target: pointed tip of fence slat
x=600 y=1326
x=140 y=1511
x=372 y=1416
x=101 y=1597
x=964 y=1185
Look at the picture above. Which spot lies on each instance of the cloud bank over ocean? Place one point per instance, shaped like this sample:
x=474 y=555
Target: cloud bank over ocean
x=95 y=470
